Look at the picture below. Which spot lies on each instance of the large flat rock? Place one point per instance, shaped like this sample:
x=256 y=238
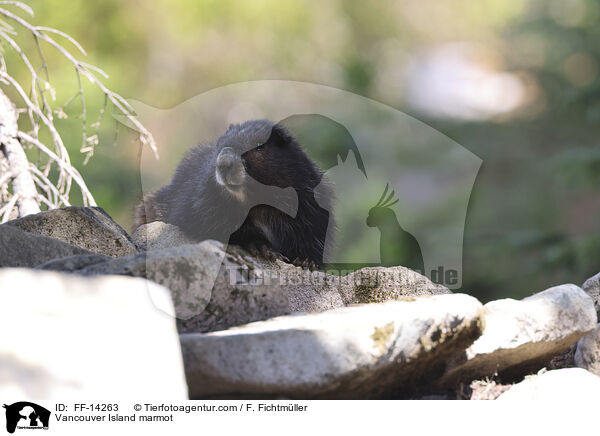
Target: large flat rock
x=206 y=291
x=89 y=228
x=215 y=287
x=66 y=336
x=522 y=336
x=365 y=351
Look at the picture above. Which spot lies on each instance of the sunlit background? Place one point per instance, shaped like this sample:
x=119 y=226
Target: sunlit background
x=515 y=82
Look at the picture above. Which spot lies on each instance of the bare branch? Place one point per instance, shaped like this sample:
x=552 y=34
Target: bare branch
x=48 y=184
x=18 y=4
x=6 y=177
x=118 y=101
x=87 y=195
x=94 y=68
x=26 y=185
x=61 y=150
x=23 y=185
x=7 y=209
x=64 y=35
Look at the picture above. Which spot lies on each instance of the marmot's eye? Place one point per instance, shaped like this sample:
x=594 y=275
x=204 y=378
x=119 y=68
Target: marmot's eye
x=260 y=146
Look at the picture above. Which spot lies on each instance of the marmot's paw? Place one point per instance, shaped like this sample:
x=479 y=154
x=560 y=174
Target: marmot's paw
x=262 y=250
x=305 y=264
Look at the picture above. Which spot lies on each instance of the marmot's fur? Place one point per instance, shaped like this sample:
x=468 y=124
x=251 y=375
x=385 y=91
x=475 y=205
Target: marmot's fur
x=227 y=191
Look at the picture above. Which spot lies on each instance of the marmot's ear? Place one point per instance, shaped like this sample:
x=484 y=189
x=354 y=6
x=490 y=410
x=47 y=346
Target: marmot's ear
x=280 y=135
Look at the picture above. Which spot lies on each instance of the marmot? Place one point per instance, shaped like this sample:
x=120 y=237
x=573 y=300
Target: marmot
x=227 y=191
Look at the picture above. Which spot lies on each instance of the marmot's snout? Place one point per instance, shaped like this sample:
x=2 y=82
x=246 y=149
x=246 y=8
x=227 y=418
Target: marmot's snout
x=230 y=171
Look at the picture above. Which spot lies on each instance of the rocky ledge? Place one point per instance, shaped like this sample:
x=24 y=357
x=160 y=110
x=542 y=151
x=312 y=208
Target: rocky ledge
x=181 y=318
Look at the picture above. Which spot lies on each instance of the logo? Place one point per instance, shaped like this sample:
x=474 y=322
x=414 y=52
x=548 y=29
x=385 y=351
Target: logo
x=26 y=415
x=393 y=190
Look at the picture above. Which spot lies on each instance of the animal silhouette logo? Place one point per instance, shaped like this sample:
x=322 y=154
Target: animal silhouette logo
x=397 y=246
x=360 y=145
x=26 y=415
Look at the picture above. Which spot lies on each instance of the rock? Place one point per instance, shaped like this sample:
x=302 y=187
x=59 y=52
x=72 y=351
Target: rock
x=206 y=294
x=556 y=386
x=486 y=390
x=522 y=336
x=316 y=291
x=89 y=228
x=364 y=351
x=157 y=235
x=592 y=287
x=66 y=336
x=587 y=355
x=73 y=263
x=566 y=359
x=20 y=248
x=379 y=284
x=215 y=288
x=367 y=285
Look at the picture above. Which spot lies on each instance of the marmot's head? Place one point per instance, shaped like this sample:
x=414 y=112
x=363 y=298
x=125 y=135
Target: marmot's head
x=264 y=152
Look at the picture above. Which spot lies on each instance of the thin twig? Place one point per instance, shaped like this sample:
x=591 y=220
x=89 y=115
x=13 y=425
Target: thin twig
x=118 y=101
x=21 y=5
x=50 y=186
x=40 y=113
x=87 y=195
x=83 y=111
x=6 y=210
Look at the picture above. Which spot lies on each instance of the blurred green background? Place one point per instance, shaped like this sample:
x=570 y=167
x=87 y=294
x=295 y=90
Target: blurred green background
x=515 y=82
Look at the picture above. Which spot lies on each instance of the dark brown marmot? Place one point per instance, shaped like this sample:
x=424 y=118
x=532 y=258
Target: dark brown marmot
x=234 y=190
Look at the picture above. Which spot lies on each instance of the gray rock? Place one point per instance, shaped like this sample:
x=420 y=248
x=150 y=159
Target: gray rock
x=522 y=336
x=157 y=235
x=587 y=355
x=89 y=228
x=214 y=288
x=366 y=351
x=73 y=263
x=326 y=291
x=556 y=387
x=315 y=291
x=206 y=294
x=66 y=336
x=378 y=284
x=19 y=248
x=592 y=287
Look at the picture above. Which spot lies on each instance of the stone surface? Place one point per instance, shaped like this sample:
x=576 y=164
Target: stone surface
x=379 y=284
x=557 y=386
x=19 y=248
x=486 y=390
x=592 y=287
x=89 y=228
x=73 y=263
x=206 y=294
x=365 y=351
x=66 y=336
x=215 y=288
x=368 y=285
x=587 y=355
x=157 y=235
x=566 y=359
x=522 y=336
